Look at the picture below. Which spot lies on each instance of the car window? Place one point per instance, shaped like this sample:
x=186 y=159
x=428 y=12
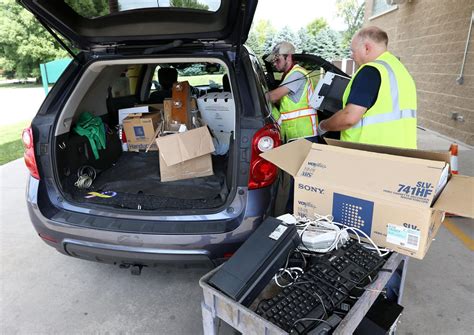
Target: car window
x=99 y=8
x=259 y=73
x=261 y=81
x=201 y=75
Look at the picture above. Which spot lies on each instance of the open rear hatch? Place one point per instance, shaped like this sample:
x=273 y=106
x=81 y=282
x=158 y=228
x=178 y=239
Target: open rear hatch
x=121 y=23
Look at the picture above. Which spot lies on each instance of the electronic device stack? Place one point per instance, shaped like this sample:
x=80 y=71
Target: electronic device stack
x=300 y=276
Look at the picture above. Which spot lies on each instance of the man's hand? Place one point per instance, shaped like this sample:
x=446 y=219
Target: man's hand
x=321 y=131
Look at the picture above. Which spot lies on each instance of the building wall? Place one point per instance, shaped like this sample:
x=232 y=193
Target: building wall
x=430 y=37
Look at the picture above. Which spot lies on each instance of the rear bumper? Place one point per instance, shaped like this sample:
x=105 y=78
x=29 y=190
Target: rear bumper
x=114 y=254
x=78 y=236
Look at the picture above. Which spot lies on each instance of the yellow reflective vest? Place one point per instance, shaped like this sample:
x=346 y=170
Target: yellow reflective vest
x=297 y=120
x=391 y=121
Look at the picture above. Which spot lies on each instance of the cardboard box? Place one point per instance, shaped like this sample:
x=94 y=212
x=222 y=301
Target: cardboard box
x=388 y=193
x=124 y=112
x=140 y=130
x=218 y=111
x=185 y=155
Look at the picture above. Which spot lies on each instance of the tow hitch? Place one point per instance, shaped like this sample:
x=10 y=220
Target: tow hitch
x=135 y=269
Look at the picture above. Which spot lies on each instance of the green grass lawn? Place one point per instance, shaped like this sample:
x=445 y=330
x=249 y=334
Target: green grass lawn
x=11 y=147
x=202 y=80
x=20 y=85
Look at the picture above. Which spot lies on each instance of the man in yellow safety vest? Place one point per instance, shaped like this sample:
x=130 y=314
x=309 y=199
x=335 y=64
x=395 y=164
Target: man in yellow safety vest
x=294 y=115
x=296 y=118
x=379 y=103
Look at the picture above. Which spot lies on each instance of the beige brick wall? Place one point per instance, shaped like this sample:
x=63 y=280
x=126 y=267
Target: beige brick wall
x=430 y=36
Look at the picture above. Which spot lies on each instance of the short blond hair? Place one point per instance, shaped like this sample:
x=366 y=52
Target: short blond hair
x=373 y=33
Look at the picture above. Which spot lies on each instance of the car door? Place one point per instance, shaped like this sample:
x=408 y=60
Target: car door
x=317 y=67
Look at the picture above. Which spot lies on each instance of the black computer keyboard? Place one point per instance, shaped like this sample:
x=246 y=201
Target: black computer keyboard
x=326 y=283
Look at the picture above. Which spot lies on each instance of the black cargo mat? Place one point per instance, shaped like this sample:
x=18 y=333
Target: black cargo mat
x=134 y=182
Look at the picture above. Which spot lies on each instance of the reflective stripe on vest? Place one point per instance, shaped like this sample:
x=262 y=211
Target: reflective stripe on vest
x=297 y=113
x=396 y=113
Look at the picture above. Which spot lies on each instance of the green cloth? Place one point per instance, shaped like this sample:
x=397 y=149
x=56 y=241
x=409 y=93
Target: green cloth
x=92 y=127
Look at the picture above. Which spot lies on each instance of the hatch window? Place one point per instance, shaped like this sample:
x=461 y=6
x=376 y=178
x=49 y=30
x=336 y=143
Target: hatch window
x=96 y=8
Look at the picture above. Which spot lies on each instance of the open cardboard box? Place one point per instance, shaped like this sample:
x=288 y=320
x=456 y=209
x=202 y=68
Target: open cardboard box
x=395 y=196
x=185 y=155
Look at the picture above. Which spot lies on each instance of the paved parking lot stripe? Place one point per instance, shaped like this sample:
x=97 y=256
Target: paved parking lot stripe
x=456 y=231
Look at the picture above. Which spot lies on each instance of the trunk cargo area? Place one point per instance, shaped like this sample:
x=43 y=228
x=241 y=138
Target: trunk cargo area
x=142 y=101
x=133 y=182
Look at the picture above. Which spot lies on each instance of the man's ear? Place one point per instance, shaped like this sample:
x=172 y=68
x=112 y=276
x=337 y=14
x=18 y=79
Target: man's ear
x=367 y=47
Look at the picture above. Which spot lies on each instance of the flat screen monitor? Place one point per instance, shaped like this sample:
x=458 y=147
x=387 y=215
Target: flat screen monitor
x=327 y=96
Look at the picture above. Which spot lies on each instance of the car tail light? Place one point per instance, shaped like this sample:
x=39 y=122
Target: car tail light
x=262 y=172
x=29 y=155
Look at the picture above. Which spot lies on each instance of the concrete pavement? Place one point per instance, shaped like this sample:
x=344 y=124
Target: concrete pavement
x=44 y=292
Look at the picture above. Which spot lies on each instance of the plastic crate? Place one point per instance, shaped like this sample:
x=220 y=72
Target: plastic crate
x=216 y=305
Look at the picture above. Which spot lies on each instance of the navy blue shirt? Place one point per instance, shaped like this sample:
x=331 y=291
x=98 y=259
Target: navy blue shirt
x=365 y=87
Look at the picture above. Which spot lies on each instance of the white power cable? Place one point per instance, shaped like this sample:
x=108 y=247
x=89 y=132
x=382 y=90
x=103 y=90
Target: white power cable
x=293 y=272
x=327 y=222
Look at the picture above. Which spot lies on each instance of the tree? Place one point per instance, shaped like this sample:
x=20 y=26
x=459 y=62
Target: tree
x=260 y=37
x=327 y=44
x=92 y=8
x=316 y=25
x=188 y=4
x=24 y=43
x=285 y=34
x=306 y=40
x=352 y=12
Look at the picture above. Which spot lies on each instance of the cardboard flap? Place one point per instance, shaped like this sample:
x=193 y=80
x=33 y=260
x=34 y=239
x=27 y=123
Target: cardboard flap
x=406 y=180
x=414 y=153
x=290 y=156
x=182 y=147
x=132 y=116
x=457 y=197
